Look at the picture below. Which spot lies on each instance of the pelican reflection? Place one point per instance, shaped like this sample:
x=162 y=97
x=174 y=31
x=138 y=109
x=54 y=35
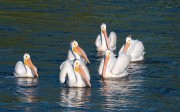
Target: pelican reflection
x=26 y=89
x=74 y=97
x=119 y=92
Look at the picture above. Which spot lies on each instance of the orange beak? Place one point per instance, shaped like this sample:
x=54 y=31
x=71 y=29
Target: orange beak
x=106 y=37
x=126 y=47
x=29 y=63
x=83 y=74
x=81 y=52
x=105 y=65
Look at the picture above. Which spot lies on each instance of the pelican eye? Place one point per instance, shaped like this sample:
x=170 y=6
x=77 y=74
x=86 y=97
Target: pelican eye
x=75 y=44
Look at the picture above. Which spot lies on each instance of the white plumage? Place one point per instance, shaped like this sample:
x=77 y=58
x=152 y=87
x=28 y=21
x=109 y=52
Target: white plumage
x=76 y=52
x=103 y=42
x=26 y=69
x=110 y=67
x=134 y=48
x=77 y=73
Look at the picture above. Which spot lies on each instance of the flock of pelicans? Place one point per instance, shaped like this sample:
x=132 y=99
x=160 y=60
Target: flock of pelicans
x=75 y=66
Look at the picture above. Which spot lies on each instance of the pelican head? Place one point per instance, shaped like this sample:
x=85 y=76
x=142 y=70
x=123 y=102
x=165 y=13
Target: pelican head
x=28 y=62
x=103 y=30
x=128 y=42
x=78 y=50
x=26 y=56
x=107 y=57
x=74 y=44
x=107 y=53
x=103 y=27
x=79 y=69
x=128 y=39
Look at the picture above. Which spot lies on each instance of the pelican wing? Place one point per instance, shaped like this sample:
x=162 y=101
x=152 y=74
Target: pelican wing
x=113 y=40
x=101 y=67
x=120 y=64
x=20 y=69
x=98 y=41
x=121 y=50
x=60 y=67
x=137 y=49
x=65 y=66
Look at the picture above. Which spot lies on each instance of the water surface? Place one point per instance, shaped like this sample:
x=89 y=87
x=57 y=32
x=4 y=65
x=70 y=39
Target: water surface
x=44 y=30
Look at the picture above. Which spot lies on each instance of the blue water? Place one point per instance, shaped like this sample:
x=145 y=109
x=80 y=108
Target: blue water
x=44 y=29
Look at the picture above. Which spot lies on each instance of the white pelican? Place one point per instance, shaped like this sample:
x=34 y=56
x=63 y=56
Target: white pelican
x=76 y=52
x=103 y=42
x=110 y=67
x=134 y=48
x=26 y=69
x=78 y=74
